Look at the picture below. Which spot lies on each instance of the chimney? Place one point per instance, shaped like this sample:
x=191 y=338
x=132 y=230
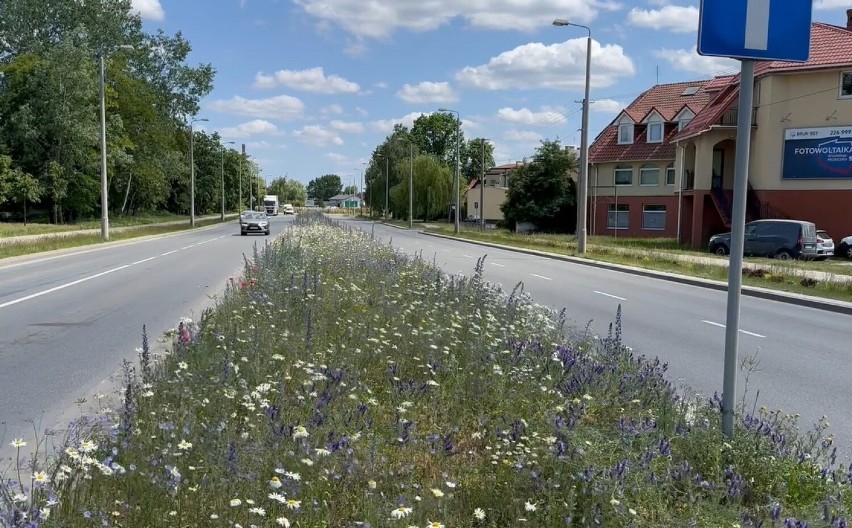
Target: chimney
x=849 y=19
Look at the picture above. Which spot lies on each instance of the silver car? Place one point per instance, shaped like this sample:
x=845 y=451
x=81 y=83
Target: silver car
x=253 y=222
x=825 y=245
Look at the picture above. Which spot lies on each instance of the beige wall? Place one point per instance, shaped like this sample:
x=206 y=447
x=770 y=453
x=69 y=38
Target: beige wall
x=795 y=101
x=603 y=175
x=494 y=198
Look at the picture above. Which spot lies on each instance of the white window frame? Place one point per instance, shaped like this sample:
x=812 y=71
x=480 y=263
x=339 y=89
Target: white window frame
x=625 y=123
x=670 y=169
x=618 y=218
x=615 y=176
x=843 y=75
x=645 y=212
x=658 y=125
x=642 y=172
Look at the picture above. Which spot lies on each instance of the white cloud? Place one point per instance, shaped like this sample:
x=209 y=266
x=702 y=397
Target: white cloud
x=381 y=19
x=311 y=80
x=831 y=4
x=523 y=136
x=381 y=85
x=339 y=159
x=557 y=66
x=386 y=125
x=251 y=128
x=331 y=109
x=525 y=116
x=279 y=107
x=350 y=127
x=428 y=92
x=678 y=19
x=610 y=106
x=149 y=9
x=317 y=136
x=689 y=60
x=260 y=145
x=361 y=111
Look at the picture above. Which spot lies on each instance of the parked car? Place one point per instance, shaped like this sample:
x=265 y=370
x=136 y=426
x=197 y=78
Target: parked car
x=288 y=209
x=253 y=222
x=825 y=245
x=844 y=249
x=781 y=239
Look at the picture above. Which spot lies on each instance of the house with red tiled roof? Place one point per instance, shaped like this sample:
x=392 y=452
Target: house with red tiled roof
x=633 y=174
x=801 y=151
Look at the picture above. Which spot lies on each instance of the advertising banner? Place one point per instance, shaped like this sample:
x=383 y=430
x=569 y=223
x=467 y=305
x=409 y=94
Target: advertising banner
x=823 y=153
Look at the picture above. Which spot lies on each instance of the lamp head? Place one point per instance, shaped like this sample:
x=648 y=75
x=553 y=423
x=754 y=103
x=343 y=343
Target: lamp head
x=561 y=22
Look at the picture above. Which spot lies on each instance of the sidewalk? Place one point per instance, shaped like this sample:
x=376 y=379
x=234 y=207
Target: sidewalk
x=25 y=239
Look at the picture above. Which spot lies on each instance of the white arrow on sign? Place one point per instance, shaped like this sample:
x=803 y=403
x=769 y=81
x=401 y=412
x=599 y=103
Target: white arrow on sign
x=757 y=25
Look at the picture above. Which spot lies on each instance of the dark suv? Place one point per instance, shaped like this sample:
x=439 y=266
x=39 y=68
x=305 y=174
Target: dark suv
x=781 y=239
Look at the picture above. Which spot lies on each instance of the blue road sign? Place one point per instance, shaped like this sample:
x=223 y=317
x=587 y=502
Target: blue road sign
x=756 y=29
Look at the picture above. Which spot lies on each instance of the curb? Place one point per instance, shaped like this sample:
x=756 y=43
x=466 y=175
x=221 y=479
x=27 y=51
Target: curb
x=818 y=303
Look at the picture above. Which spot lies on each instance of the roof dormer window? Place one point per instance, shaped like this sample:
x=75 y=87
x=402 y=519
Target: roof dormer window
x=684 y=118
x=655 y=129
x=625 y=131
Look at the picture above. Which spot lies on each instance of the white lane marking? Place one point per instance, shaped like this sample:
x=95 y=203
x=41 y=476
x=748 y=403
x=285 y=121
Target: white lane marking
x=720 y=325
x=445 y=250
x=541 y=276
x=498 y=265
x=84 y=279
x=63 y=286
x=610 y=295
x=167 y=253
x=467 y=256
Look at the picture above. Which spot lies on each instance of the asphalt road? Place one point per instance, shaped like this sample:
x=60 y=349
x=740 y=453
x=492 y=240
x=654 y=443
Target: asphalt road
x=803 y=352
x=67 y=321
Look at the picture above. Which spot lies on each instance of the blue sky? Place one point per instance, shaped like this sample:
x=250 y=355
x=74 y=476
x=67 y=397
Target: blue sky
x=312 y=86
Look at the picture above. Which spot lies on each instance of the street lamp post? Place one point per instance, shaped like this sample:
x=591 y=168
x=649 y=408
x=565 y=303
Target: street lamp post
x=410 y=185
x=482 y=189
x=457 y=177
x=223 y=177
x=387 y=187
x=104 y=184
x=192 y=172
x=583 y=187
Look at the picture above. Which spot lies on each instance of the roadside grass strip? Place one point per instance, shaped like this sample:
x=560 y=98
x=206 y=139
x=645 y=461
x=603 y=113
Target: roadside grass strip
x=339 y=383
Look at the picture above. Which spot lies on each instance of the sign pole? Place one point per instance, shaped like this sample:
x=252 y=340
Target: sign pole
x=735 y=267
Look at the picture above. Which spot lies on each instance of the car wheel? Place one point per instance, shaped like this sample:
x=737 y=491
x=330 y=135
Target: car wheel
x=846 y=251
x=720 y=250
x=267 y=232
x=783 y=254
x=243 y=233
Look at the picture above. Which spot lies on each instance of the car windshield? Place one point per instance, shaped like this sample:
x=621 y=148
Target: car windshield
x=823 y=234
x=254 y=216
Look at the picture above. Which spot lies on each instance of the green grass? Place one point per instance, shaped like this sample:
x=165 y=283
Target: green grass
x=341 y=384
x=12 y=229
x=661 y=255
x=73 y=241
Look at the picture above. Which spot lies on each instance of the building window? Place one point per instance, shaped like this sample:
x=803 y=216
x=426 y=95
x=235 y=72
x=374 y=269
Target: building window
x=618 y=216
x=654 y=217
x=846 y=84
x=670 y=174
x=655 y=131
x=625 y=133
x=623 y=175
x=649 y=176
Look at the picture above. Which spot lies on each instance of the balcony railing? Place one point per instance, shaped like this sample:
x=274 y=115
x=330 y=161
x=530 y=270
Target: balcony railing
x=730 y=117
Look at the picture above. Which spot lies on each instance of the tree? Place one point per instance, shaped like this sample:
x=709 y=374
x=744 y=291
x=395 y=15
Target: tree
x=350 y=190
x=5 y=178
x=24 y=188
x=435 y=134
x=325 y=187
x=433 y=182
x=288 y=191
x=542 y=192
x=472 y=162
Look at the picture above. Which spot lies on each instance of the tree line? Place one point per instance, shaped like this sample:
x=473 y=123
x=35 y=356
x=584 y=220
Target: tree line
x=50 y=115
x=540 y=190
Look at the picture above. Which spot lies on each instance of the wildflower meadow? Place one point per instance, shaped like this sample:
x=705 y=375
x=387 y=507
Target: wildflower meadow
x=339 y=383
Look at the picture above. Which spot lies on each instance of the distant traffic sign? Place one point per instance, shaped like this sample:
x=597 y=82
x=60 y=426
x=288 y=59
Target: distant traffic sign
x=756 y=29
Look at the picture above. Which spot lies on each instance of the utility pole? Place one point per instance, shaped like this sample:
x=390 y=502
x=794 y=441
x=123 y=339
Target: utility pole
x=192 y=171
x=387 y=187
x=241 y=177
x=223 y=178
x=482 y=190
x=411 y=185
